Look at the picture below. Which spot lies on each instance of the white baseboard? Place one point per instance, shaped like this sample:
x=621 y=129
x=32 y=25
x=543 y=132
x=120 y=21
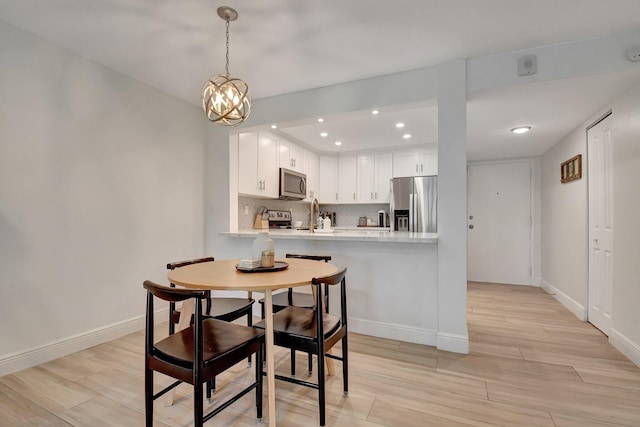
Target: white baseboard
x=625 y=345
x=442 y=341
x=454 y=343
x=564 y=299
x=393 y=331
x=14 y=362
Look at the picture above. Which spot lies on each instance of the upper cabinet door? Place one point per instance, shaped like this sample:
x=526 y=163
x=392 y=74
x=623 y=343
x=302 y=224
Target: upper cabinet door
x=328 y=185
x=383 y=174
x=291 y=156
x=257 y=164
x=406 y=163
x=366 y=179
x=312 y=168
x=347 y=175
x=429 y=161
x=268 y=164
x=248 y=181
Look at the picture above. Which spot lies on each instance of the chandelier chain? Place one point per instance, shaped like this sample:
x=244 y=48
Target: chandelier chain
x=227 y=65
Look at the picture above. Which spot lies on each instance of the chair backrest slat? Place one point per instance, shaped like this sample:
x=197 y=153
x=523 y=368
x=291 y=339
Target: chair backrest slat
x=325 y=258
x=332 y=279
x=174 y=294
x=178 y=264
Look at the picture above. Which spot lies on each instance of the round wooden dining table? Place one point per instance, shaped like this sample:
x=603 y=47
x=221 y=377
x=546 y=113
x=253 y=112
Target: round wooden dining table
x=223 y=275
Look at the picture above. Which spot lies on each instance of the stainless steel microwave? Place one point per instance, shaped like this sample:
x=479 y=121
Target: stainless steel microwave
x=293 y=185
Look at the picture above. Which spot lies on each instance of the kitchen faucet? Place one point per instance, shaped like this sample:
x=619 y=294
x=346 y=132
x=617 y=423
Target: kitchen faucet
x=314 y=203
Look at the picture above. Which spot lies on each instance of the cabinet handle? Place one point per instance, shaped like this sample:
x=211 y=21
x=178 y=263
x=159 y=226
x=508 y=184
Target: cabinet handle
x=354 y=196
x=421 y=167
x=336 y=196
x=372 y=195
x=376 y=195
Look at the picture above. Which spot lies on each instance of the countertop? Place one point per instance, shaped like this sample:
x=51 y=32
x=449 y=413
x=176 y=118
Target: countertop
x=346 y=235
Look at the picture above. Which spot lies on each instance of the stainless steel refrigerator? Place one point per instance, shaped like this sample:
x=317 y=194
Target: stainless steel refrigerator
x=414 y=204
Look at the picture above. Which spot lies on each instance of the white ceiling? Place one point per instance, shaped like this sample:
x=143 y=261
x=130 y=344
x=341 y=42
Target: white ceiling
x=281 y=46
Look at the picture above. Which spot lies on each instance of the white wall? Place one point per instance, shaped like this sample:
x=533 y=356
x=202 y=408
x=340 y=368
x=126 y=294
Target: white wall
x=100 y=185
x=565 y=223
x=625 y=331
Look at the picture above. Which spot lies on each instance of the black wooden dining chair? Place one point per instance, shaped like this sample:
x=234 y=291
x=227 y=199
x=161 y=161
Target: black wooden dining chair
x=227 y=309
x=283 y=300
x=198 y=353
x=315 y=331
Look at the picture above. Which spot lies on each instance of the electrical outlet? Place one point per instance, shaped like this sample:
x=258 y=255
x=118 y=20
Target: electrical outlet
x=246 y=209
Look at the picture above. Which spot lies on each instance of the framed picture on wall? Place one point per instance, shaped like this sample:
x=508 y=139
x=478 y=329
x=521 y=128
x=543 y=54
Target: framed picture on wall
x=571 y=169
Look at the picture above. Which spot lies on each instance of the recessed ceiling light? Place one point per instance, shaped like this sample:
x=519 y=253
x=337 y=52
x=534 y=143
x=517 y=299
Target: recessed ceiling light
x=274 y=126
x=374 y=112
x=324 y=134
x=521 y=129
x=399 y=125
x=338 y=143
x=320 y=120
x=406 y=136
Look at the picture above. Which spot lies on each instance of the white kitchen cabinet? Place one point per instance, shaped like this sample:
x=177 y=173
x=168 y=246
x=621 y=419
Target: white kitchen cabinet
x=374 y=173
x=312 y=168
x=366 y=178
x=291 y=156
x=347 y=179
x=383 y=173
x=428 y=161
x=328 y=185
x=419 y=162
x=258 y=164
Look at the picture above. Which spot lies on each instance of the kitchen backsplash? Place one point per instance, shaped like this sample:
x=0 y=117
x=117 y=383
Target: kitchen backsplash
x=346 y=215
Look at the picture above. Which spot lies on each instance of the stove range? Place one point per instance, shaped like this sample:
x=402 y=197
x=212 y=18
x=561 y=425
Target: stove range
x=280 y=219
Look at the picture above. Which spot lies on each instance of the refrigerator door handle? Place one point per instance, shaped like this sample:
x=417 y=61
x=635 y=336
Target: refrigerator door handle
x=411 y=213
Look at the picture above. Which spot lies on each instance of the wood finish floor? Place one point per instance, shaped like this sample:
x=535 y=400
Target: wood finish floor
x=531 y=363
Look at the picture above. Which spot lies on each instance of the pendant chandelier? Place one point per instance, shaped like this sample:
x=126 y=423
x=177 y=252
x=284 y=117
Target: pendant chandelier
x=226 y=99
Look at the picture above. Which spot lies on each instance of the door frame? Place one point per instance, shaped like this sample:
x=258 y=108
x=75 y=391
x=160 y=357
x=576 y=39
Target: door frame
x=588 y=230
x=534 y=265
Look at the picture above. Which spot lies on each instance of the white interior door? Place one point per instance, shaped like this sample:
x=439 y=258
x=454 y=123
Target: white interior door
x=499 y=223
x=600 y=225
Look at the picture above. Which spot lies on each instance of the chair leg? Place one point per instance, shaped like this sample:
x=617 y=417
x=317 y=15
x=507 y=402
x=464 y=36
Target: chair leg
x=345 y=365
x=310 y=363
x=321 y=390
x=259 y=380
x=249 y=324
x=198 y=406
x=209 y=386
x=148 y=396
x=293 y=362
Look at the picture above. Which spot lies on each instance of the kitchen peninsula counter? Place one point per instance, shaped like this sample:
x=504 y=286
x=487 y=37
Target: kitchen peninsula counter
x=341 y=235
x=392 y=278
